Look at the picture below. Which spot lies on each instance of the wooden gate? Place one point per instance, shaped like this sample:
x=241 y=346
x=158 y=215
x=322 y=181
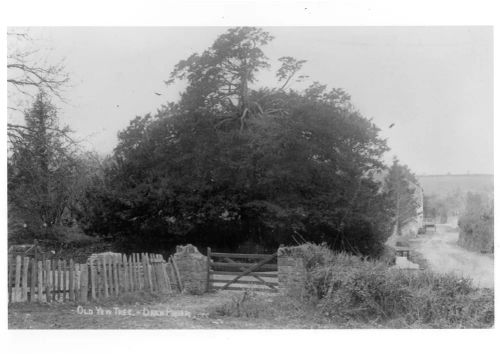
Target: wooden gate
x=241 y=271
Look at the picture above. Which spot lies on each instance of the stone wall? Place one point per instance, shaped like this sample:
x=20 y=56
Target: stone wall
x=192 y=266
x=292 y=275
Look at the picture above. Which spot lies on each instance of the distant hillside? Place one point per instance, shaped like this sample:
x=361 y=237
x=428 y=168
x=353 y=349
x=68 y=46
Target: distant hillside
x=444 y=184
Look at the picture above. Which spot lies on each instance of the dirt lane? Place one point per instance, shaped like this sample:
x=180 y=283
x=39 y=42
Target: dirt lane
x=445 y=256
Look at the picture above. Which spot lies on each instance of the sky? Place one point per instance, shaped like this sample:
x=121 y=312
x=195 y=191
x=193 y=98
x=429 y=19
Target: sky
x=434 y=83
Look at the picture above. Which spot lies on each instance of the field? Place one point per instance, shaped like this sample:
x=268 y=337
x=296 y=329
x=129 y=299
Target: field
x=443 y=185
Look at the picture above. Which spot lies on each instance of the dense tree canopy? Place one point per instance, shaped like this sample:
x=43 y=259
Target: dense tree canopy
x=228 y=164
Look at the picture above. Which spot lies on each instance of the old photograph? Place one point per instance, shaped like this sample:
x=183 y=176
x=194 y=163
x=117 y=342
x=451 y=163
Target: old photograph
x=250 y=177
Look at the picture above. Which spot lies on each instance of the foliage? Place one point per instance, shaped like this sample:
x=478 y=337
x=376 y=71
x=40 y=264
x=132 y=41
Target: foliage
x=43 y=171
x=228 y=163
x=440 y=207
x=476 y=223
x=424 y=299
x=218 y=79
x=347 y=288
x=45 y=175
x=401 y=185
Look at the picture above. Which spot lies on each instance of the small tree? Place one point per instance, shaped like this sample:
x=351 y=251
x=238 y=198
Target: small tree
x=41 y=168
x=401 y=185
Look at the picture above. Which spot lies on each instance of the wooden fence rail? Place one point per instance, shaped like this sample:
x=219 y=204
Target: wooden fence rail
x=103 y=276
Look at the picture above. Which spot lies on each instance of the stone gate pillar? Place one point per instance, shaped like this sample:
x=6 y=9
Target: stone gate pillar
x=292 y=273
x=192 y=266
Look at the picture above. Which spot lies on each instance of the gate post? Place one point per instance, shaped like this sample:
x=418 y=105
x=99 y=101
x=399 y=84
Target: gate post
x=190 y=264
x=208 y=270
x=292 y=272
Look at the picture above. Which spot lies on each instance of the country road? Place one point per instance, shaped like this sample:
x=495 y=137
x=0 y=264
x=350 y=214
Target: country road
x=443 y=255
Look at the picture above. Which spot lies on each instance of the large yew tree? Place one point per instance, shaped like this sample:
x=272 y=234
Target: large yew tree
x=232 y=162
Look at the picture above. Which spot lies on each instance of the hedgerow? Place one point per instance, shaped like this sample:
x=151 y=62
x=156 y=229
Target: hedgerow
x=351 y=291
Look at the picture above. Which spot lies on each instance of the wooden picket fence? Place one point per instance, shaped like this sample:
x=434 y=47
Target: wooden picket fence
x=49 y=280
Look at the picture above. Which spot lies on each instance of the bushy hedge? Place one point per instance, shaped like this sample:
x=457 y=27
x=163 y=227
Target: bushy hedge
x=476 y=224
x=349 y=288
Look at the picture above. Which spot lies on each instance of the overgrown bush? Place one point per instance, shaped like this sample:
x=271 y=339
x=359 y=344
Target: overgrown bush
x=476 y=224
x=348 y=288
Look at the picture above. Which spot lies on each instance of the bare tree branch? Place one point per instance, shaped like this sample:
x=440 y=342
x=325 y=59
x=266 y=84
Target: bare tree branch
x=26 y=75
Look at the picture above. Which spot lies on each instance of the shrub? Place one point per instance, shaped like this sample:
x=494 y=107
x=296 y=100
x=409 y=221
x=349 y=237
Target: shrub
x=351 y=291
x=362 y=292
x=350 y=288
x=476 y=224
